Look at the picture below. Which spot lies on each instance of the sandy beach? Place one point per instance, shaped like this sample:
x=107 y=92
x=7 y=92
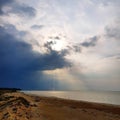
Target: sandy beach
x=21 y=106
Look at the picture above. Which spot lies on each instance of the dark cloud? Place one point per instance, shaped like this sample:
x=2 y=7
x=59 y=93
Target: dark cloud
x=20 y=65
x=11 y=29
x=37 y=27
x=3 y=3
x=24 y=10
x=113 y=32
x=48 y=45
x=77 y=48
x=23 y=56
x=91 y=42
x=13 y=52
x=21 y=10
x=57 y=37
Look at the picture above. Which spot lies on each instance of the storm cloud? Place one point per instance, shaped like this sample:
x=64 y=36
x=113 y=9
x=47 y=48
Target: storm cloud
x=24 y=55
x=18 y=60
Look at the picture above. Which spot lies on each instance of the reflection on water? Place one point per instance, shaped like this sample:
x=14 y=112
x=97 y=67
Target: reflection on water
x=92 y=96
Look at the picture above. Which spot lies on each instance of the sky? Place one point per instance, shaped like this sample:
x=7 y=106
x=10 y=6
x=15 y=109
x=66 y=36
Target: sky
x=60 y=44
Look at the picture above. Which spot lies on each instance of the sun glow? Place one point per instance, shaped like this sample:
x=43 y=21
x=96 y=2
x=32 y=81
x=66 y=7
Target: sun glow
x=58 y=45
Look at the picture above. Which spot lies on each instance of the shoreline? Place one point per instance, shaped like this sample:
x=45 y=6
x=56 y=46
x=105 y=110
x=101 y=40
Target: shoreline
x=19 y=105
x=70 y=99
x=80 y=103
x=89 y=96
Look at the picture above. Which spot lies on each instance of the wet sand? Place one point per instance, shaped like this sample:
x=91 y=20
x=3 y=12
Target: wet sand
x=20 y=106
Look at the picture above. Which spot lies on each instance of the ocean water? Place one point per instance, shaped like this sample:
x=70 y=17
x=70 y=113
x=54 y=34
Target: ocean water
x=91 y=96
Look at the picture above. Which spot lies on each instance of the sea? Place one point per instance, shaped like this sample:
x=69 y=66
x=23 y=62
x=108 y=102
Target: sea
x=109 y=97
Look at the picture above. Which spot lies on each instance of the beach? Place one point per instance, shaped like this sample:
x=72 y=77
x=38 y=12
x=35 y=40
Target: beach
x=20 y=106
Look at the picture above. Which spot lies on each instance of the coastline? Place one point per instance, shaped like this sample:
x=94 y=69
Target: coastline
x=18 y=105
x=107 y=97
